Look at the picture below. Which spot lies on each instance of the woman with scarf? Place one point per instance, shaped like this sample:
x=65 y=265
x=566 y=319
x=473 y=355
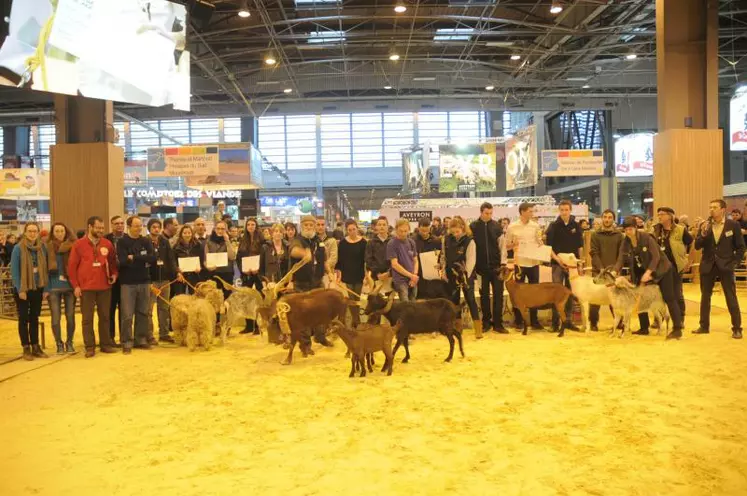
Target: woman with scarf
x=58 y=253
x=187 y=246
x=250 y=246
x=28 y=268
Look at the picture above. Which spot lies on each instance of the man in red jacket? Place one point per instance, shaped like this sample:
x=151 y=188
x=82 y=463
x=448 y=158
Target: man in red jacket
x=92 y=269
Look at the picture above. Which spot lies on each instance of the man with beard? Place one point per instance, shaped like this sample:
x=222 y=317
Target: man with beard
x=309 y=277
x=118 y=229
x=605 y=246
x=426 y=242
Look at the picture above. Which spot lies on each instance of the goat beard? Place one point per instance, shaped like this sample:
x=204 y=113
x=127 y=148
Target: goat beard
x=308 y=233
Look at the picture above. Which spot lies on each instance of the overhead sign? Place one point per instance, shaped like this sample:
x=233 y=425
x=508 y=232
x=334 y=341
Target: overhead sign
x=153 y=193
x=183 y=161
x=738 y=120
x=521 y=159
x=239 y=167
x=634 y=155
x=415 y=215
x=572 y=163
x=415 y=168
x=467 y=168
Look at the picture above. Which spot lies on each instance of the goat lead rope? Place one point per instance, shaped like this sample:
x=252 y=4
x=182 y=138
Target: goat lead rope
x=229 y=286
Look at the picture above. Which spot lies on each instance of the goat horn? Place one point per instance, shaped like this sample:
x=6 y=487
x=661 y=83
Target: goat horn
x=286 y=279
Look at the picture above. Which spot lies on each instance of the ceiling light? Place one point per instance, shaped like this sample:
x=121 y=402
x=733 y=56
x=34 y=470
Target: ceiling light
x=617 y=136
x=424 y=78
x=269 y=60
x=631 y=56
x=287 y=90
x=515 y=57
x=399 y=8
x=585 y=87
x=556 y=8
x=499 y=43
x=387 y=87
x=394 y=57
x=490 y=87
x=243 y=13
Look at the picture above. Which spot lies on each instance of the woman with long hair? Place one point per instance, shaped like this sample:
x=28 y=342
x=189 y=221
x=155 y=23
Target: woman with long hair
x=459 y=257
x=218 y=242
x=60 y=291
x=250 y=246
x=187 y=246
x=274 y=262
x=291 y=232
x=28 y=268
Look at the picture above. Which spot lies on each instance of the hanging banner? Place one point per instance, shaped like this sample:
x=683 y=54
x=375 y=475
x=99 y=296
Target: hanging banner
x=521 y=159
x=634 y=155
x=184 y=161
x=239 y=167
x=415 y=170
x=135 y=172
x=738 y=120
x=572 y=163
x=467 y=168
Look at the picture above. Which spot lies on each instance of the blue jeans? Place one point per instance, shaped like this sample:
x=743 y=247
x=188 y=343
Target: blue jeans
x=134 y=305
x=56 y=299
x=405 y=292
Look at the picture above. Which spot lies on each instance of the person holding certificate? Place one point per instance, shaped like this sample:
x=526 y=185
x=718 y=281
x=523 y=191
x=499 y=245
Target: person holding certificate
x=189 y=259
x=525 y=234
x=250 y=251
x=218 y=255
x=427 y=242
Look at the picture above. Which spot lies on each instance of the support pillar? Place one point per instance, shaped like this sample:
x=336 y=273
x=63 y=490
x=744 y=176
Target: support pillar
x=688 y=151
x=87 y=171
x=16 y=140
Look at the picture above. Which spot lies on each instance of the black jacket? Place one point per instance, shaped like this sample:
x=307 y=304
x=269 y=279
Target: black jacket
x=724 y=255
x=645 y=256
x=189 y=251
x=376 y=260
x=487 y=253
x=273 y=265
x=310 y=275
x=564 y=238
x=163 y=269
x=137 y=269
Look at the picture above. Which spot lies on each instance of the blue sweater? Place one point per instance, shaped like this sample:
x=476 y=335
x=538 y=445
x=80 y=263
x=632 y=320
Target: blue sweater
x=55 y=284
x=15 y=265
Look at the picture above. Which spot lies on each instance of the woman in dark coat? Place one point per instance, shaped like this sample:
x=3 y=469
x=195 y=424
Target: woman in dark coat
x=187 y=246
x=250 y=246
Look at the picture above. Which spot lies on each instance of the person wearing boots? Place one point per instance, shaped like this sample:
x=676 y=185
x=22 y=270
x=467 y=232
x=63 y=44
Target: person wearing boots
x=117 y=233
x=250 y=246
x=605 y=246
x=673 y=240
x=459 y=266
x=487 y=237
x=642 y=256
x=60 y=291
x=161 y=274
x=28 y=269
x=723 y=249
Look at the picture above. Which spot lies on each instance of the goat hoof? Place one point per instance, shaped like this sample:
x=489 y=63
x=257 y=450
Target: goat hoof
x=523 y=333
x=405 y=360
x=448 y=360
x=285 y=362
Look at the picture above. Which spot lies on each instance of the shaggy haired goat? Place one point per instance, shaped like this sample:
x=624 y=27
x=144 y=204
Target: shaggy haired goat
x=419 y=317
x=208 y=290
x=193 y=321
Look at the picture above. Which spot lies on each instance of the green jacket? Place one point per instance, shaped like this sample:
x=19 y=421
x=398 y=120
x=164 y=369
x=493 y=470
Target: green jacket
x=605 y=246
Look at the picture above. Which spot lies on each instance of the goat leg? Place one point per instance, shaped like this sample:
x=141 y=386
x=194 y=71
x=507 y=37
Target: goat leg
x=361 y=357
x=459 y=339
x=369 y=361
x=560 y=307
x=451 y=347
x=525 y=317
x=406 y=344
x=353 y=363
x=396 y=346
x=289 y=358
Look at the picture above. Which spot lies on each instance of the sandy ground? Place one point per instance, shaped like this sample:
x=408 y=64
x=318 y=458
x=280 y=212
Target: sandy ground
x=528 y=415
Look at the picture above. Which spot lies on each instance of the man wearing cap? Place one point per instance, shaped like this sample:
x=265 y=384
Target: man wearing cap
x=310 y=275
x=673 y=240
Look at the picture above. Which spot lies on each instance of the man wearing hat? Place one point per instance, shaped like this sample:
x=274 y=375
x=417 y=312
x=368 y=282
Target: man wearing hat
x=673 y=240
x=310 y=275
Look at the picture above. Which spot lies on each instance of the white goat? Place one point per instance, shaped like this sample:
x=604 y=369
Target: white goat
x=585 y=289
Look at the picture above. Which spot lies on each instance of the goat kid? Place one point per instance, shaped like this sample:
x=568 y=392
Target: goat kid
x=363 y=342
x=586 y=289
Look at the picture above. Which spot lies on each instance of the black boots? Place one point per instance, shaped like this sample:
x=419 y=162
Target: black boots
x=60 y=348
x=38 y=352
x=27 y=353
x=69 y=347
x=675 y=334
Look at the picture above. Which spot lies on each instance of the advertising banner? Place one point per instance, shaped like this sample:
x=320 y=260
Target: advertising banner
x=738 y=120
x=465 y=168
x=239 y=167
x=415 y=177
x=183 y=161
x=28 y=184
x=135 y=172
x=521 y=159
x=572 y=163
x=634 y=155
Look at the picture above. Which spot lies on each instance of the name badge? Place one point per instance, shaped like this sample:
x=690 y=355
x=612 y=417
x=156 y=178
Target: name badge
x=729 y=234
x=160 y=262
x=63 y=278
x=143 y=252
x=97 y=264
x=645 y=248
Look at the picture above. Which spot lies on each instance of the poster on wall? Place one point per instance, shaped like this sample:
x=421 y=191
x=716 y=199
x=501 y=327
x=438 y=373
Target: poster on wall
x=125 y=51
x=634 y=155
x=415 y=170
x=183 y=161
x=239 y=167
x=29 y=184
x=521 y=159
x=556 y=163
x=135 y=172
x=738 y=120
x=467 y=168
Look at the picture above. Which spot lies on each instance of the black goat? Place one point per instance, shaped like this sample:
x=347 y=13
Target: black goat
x=419 y=317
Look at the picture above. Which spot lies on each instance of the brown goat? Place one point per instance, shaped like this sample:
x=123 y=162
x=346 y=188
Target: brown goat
x=304 y=312
x=526 y=296
x=364 y=341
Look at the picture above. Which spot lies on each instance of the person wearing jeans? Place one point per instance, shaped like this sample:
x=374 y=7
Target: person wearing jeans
x=402 y=253
x=118 y=228
x=161 y=274
x=93 y=269
x=136 y=255
x=60 y=291
x=28 y=268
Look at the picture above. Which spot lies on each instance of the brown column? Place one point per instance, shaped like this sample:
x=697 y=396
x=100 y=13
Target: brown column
x=87 y=171
x=688 y=151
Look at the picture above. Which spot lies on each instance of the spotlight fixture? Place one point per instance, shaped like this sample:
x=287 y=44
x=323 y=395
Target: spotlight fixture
x=394 y=57
x=244 y=10
x=399 y=8
x=515 y=57
x=585 y=87
x=556 y=8
x=387 y=87
x=631 y=56
x=270 y=60
x=490 y=87
x=287 y=90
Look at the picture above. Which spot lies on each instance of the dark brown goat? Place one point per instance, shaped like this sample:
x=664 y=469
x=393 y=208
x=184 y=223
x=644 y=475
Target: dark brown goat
x=526 y=296
x=419 y=317
x=363 y=342
x=305 y=311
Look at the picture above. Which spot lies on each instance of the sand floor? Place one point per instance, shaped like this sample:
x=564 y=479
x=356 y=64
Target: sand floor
x=528 y=415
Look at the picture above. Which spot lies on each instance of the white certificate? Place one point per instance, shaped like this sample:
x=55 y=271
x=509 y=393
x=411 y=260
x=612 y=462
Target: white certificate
x=540 y=253
x=217 y=260
x=429 y=265
x=250 y=263
x=189 y=264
